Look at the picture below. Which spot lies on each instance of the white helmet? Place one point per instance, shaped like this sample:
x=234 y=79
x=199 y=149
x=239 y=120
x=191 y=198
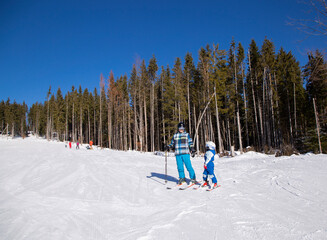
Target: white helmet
x=210 y=145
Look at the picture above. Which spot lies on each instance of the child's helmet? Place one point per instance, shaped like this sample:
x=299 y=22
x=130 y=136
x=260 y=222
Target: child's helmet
x=210 y=145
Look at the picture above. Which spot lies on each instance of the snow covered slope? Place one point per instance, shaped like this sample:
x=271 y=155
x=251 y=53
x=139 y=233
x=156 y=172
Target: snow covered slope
x=48 y=191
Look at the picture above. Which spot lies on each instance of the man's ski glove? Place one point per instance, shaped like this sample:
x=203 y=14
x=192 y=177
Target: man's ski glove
x=167 y=148
x=193 y=152
x=205 y=167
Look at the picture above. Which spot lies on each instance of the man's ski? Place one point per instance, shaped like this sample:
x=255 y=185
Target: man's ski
x=210 y=189
x=177 y=186
x=190 y=185
x=183 y=186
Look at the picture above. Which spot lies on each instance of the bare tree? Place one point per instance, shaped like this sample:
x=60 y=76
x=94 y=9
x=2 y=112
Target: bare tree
x=316 y=23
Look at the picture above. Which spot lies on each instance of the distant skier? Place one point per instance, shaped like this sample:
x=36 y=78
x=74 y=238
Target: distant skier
x=90 y=144
x=183 y=144
x=209 y=166
x=77 y=145
x=70 y=144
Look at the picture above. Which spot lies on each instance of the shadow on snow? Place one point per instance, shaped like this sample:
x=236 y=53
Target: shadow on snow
x=163 y=177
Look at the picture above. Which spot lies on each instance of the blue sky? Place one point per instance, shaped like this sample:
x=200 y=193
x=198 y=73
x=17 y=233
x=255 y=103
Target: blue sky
x=66 y=43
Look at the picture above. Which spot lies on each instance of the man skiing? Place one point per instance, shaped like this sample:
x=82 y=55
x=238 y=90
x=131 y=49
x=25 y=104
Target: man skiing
x=183 y=144
x=209 y=166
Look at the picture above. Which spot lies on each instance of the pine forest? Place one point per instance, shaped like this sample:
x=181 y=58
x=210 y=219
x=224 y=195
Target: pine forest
x=255 y=98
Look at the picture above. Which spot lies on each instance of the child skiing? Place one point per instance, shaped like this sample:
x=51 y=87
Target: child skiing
x=209 y=166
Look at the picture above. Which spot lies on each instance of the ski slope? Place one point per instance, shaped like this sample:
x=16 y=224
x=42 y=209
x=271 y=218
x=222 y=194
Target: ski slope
x=49 y=192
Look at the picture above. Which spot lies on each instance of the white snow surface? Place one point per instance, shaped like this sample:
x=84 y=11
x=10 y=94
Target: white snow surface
x=49 y=192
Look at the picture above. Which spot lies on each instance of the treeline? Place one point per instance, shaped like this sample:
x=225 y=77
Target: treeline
x=13 y=118
x=239 y=97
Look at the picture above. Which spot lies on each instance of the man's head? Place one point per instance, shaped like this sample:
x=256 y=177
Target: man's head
x=181 y=127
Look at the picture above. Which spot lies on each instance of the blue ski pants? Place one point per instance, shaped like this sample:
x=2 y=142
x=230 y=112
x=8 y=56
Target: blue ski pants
x=181 y=160
x=209 y=172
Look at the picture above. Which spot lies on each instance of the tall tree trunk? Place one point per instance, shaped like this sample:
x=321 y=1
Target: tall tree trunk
x=129 y=129
x=121 y=142
x=272 y=111
x=254 y=101
x=220 y=143
x=81 y=125
x=52 y=125
x=125 y=136
x=22 y=128
x=228 y=134
x=146 y=126
x=89 y=124
x=317 y=124
x=141 y=136
x=268 y=112
x=290 y=118
x=264 y=129
x=198 y=123
x=238 y=109
x=245 y=109
x=73 y=121
x=37 y=122
x=152 y=117
x=188 y=104
x=66 y=122
x=260 y=116
x=109 y=124
x=163 y=117
x=135 y=122
x=157 y=121
x=13 y=130
x=176 y=112
x=279 y=135
x=48 y=119
x=100 y=121
x=196 y=138
x=94 y=127
x=295 y=124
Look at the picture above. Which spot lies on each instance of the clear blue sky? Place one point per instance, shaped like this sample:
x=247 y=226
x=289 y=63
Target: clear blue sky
x=64 y=43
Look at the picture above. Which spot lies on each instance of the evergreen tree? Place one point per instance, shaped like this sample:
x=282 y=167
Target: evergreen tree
x=315 y=77
x=189 y=69
x=168 y=103
x=152 y=72
x=59 y=114
x=219 y=76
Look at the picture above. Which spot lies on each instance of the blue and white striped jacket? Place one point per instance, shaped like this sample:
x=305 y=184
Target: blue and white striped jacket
x=209 y=157
x=182 y=143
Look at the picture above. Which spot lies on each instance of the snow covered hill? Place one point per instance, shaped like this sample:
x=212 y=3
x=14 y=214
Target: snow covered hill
x=48 y=191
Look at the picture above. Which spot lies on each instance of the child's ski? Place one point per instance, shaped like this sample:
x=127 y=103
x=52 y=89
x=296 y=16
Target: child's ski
x=200 y=187
x=210 y=189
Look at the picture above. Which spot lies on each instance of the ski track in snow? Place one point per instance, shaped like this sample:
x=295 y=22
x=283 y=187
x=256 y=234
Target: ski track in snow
x=48 y=191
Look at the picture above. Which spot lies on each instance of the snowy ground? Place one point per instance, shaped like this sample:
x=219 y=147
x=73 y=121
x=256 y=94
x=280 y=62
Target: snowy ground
x=48 y=191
